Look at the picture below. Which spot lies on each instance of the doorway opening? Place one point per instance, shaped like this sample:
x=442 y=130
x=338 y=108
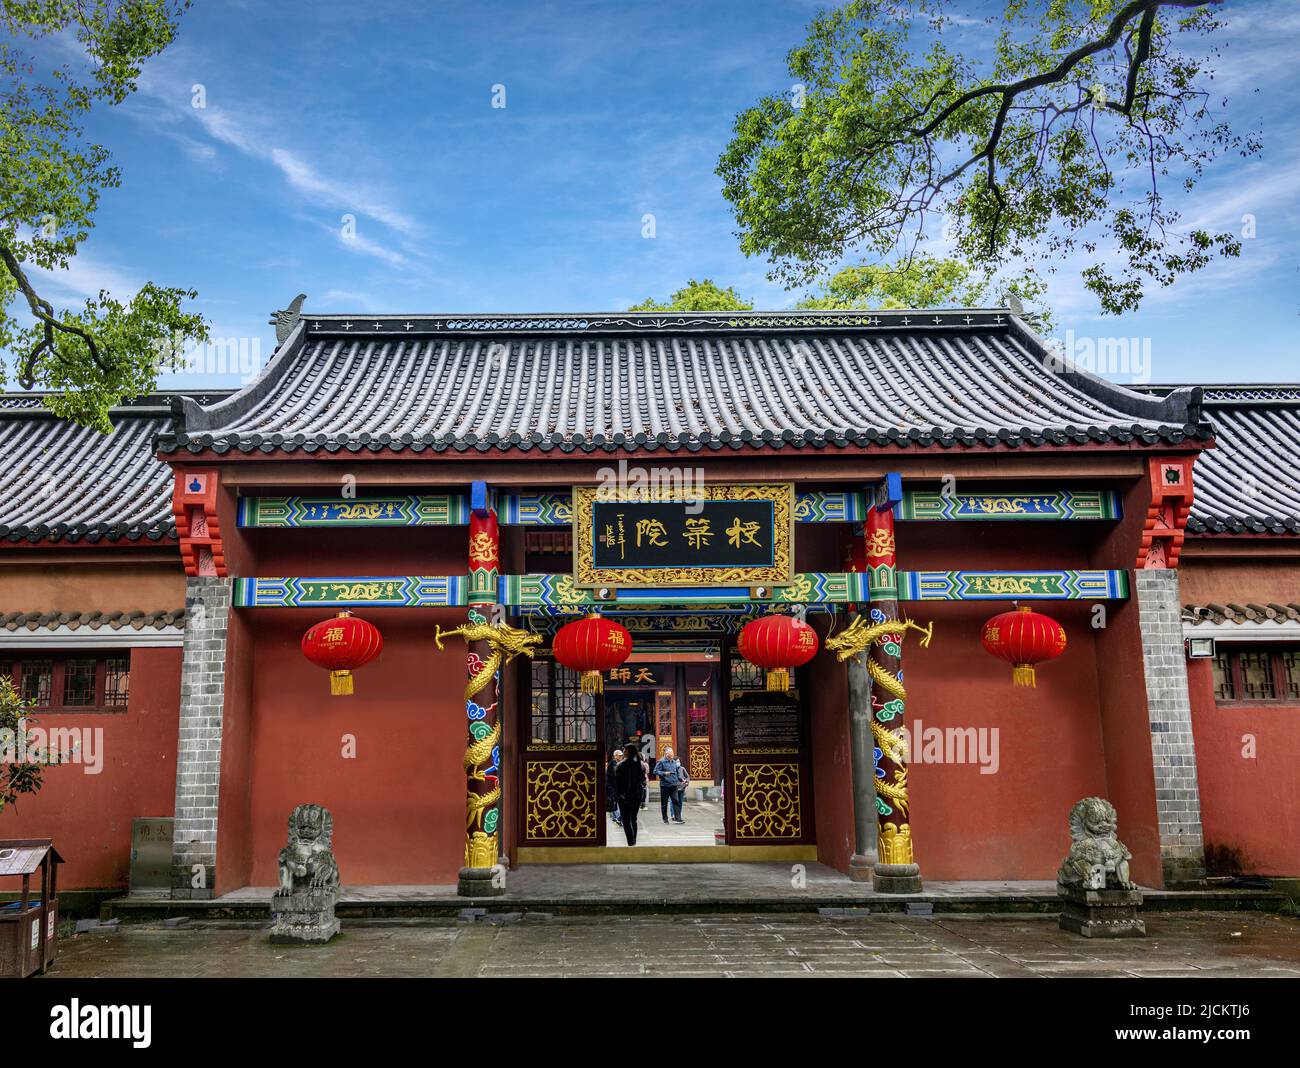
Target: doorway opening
x=745 y=753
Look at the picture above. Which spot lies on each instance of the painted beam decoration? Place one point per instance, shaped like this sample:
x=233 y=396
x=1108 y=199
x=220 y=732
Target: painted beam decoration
x=426 y=510
x=559 y=593
x=1057 y=504
x=536 y=509
x=1012 y=585
x=715 y=535
x=546 y=509
x=383 y=591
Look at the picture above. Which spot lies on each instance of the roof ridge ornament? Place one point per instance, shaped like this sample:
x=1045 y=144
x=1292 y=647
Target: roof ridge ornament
x=285 y=319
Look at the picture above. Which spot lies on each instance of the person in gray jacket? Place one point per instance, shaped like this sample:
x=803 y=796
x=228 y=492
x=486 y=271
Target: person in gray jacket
x=671 y=775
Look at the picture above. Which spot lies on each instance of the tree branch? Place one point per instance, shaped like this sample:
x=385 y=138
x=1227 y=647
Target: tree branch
x=43 y=310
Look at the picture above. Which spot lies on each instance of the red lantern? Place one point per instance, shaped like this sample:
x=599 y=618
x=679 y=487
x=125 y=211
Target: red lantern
x=341 y=645
x=1024 y=638
x=778 y=643
x=592 y=646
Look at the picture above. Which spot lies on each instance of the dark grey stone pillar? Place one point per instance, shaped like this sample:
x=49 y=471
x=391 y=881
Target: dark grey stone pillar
x=1178 y=799
x=198 y=752
x=863 y=861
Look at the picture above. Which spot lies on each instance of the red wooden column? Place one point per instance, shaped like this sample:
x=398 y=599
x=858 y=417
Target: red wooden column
x=483 y=752
x=896 y=870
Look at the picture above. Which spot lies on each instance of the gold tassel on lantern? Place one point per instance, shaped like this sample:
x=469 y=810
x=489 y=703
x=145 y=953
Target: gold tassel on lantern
x=592 y=682
x=1023 y=675
x=340 y=683
x=778 y=679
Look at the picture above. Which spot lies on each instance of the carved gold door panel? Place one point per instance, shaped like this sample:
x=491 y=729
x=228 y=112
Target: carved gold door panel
x=562 y=793
x=769 y=780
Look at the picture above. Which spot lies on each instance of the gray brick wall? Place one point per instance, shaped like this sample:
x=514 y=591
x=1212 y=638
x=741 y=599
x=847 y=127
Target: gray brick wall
x=198 y=754
x=1178 y=800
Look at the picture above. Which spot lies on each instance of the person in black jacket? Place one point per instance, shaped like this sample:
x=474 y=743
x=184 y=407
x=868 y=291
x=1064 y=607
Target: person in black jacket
x=629 y=779
x=611 y=785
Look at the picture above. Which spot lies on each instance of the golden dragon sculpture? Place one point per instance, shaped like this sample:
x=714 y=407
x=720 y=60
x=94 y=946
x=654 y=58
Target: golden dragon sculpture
x=857 y=638
x=505 y=642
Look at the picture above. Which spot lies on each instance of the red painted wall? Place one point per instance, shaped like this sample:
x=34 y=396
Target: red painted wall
x=828 y=702
x=399 y=805
x=1250 y=806
x=1011 y=822
x=234 y=804
x=1081 y=731
x=89 y=816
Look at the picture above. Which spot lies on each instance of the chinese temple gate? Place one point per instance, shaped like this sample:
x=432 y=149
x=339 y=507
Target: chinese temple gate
x=470 y=485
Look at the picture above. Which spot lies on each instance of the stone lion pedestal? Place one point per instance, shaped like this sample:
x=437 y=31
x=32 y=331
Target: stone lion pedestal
x=306 y=916
x=1101 y=913
x=1098 y=900
x=303 y=905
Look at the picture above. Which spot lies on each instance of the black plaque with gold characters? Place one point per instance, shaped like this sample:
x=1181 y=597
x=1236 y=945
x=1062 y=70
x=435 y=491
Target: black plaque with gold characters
x=739 y=535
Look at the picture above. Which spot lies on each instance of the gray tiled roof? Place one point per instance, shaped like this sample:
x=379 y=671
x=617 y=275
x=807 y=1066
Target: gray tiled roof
x=138 y=620
x=1241 y=613
x=63 y=482
x=702 y=381
x=1250 y=482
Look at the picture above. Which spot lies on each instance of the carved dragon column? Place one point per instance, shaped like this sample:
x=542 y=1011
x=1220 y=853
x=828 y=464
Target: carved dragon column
x=896 y=870
x=483 y=753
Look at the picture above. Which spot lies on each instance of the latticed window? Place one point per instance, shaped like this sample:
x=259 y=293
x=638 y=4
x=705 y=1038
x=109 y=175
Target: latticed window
x=73 y=683
x=1257 y=677
x=1223 y=687
x=561 y=712
x=78 y=683
x=744 y=675
x=575 y=711
x=541 y=701
x=1255 y=674
x=117 y=681
x=36 y=681
x=1291 y=674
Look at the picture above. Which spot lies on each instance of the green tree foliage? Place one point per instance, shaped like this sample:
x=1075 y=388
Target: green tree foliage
x=16 y=776
x=51 y=180
x=702 y=296
x=924 y=281
x=1064 y=140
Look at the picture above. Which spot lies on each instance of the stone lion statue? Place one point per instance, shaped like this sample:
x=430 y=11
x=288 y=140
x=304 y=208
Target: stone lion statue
x=307 y=862
x=1097 y=860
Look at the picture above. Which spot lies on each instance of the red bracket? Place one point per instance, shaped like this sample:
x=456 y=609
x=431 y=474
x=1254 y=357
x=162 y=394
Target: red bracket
x=1166 y=522
x=194 y=503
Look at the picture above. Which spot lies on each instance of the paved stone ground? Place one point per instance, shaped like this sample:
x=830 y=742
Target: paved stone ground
x=1191 y=945
x=702 y=819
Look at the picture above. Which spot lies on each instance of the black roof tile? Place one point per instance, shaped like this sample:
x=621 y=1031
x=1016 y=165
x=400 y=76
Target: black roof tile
x=63 y=482
x=602 y=383
x=1249 y=483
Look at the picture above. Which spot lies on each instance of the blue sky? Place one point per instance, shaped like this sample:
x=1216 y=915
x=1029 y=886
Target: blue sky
x=614 y=109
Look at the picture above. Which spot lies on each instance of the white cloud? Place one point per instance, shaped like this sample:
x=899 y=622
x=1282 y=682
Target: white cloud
x=248 y=134
x=83 y=278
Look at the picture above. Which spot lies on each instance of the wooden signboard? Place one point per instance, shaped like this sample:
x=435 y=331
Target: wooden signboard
x=740 y=535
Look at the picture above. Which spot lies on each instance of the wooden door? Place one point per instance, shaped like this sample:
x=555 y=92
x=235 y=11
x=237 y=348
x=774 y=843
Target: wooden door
x=562 y=765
